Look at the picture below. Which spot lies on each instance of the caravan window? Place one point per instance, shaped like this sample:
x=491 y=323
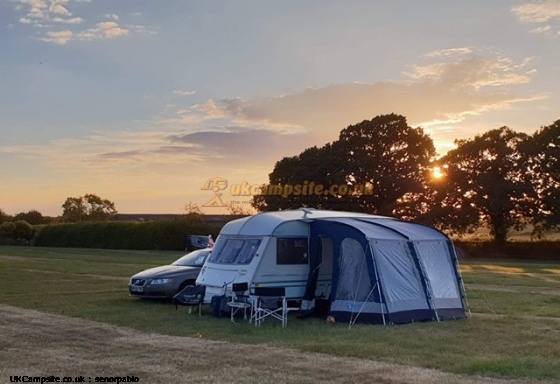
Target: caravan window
x=291 y=251
x=234 y=251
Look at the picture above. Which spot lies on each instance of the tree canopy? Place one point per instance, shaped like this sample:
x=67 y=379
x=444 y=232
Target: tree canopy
x=319 y=165
x=543 y=165
x=392 y=157
x=383 y=163
x=485 y=183
x=89 y=207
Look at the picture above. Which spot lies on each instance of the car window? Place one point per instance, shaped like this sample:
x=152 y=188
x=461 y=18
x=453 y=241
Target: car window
x=193 y=259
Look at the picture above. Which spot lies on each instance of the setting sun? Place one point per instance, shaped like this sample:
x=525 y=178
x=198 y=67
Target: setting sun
x=437 y=173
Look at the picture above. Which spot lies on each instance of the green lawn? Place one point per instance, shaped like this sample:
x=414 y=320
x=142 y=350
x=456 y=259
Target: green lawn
x=514 y=331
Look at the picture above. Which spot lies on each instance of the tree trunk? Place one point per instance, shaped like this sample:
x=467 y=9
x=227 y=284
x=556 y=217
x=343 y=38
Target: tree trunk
x=499 y=230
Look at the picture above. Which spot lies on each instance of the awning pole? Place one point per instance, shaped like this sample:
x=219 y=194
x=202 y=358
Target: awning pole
x=378 y=284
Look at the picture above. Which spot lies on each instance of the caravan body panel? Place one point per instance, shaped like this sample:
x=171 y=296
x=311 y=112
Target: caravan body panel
x=266 y=268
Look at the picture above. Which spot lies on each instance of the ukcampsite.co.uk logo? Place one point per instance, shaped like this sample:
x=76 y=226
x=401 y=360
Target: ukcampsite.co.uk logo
x=307 y=188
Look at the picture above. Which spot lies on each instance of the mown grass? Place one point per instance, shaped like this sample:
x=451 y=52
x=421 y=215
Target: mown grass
x=514 y=331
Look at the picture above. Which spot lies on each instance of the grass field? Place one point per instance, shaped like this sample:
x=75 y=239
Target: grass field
x=514 y=331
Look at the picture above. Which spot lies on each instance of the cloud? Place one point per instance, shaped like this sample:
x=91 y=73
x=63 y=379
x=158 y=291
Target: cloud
x=180 y=92
x=193 y=115
x=228 y=148
x=542 y=30
x=327 y=110
x=60 y=37
x=57 y=7
x=242 y=144
x=437 y=91
x=37 y=8
x=224 y=147
x=70 y=153
x=473 y=72
x=47 y=14
x=140 y=30
x=103 y=30
x=539 y=12
x=453 y=85
x=450 y=52
x=43 y=10
x=72 y=20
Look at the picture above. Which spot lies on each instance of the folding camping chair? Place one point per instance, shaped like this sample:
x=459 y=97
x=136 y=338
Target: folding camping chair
x=271 y=302
x=239 y=300
x=191 y=296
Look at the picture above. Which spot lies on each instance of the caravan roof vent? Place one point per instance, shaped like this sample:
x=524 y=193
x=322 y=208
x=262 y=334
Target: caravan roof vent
x=306 y=211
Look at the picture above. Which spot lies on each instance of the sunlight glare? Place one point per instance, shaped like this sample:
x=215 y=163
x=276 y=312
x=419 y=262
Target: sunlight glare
x=437 y=173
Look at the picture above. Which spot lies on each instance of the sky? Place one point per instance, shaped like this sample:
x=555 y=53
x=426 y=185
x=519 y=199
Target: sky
x=141 y=101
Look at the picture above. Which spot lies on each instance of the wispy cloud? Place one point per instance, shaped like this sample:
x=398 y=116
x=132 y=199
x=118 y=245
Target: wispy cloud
x=450 y=52
x=223 y=147
x=539 y=12
x=103 y=30
x=181 y=92
x=449 y=87
x=47 y=14
x=60 y=37
x=542 y=30
x=474 y=72
x=41 y=11
x=72 y=20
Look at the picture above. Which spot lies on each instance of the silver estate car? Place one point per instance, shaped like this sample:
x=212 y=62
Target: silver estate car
x=165 y=281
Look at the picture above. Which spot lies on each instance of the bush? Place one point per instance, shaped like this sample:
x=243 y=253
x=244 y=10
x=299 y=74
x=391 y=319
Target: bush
x=7 y=230
x=170 y=235
x=23 y=230
x=17 y=232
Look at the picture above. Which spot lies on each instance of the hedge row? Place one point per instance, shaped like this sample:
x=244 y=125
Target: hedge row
x=122 y=235
x=172 y=235
x=528 y=250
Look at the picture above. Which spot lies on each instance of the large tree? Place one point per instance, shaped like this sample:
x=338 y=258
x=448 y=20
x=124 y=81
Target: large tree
x=486 y=183
x=543 y=163
x=314 y=166
x=392 y=157
x=385 y=162
x=89 y=207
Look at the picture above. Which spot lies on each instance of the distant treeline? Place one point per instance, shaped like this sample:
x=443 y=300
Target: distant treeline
x=527 y=250
x=171 y=235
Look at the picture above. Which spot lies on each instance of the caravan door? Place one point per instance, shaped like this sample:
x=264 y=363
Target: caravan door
x=285 y=264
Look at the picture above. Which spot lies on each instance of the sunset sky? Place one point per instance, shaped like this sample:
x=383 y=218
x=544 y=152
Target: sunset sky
x=142 y=101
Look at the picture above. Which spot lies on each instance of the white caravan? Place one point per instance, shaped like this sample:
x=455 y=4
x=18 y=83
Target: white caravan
x=270 y=249
x=381 y=269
